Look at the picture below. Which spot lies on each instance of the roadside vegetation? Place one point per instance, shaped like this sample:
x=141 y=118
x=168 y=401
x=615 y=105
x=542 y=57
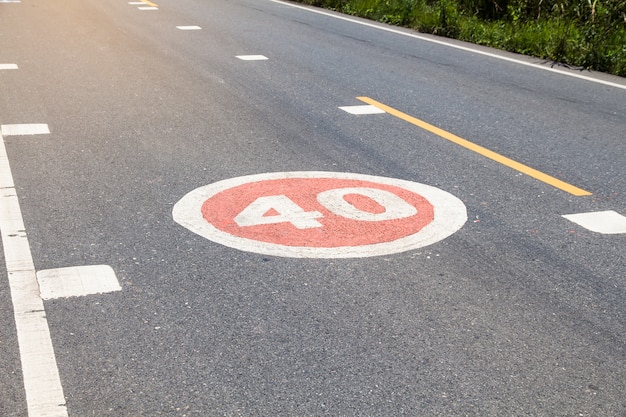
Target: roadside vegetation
x=587 y=34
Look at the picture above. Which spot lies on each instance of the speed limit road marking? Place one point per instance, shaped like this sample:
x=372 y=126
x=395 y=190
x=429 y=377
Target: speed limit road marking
x=320 y=214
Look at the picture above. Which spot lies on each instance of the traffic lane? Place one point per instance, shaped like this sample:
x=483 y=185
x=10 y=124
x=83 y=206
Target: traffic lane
x=142 y=376
x=153 y=393
x=222 y=291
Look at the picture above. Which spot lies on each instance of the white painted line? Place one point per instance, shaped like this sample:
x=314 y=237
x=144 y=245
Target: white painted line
x=77 y=281
x=136 y=3
x=9 y=1
x=606 y=222
x=148 y=8
x=8 y=66
x=453 y=45
x=188 y=27
x=24 y=129
x=252 y=57
x=365 y=109
x=42 y=384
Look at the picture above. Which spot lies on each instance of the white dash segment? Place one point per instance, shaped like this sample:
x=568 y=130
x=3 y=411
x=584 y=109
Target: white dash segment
x=188 y=27
x=42 y=384
x=148 y=8
x=24 y=129
x=77 y=281
x=136 y=3
x=252 y=57
x=606 y=222
x=8 y=66
x=363 y=109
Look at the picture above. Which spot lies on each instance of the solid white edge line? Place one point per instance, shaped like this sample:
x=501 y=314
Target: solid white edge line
x=42 y=383
x=452 y=45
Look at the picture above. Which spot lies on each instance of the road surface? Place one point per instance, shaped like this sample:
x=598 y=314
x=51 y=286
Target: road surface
x=154 y=152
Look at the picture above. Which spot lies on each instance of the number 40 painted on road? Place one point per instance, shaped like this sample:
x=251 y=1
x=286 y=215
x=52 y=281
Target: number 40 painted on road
x=393 y=207
x=320 y=214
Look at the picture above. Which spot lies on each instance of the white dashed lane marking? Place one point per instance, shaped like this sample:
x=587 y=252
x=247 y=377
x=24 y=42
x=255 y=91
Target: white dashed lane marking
x=144 y=5
x=77 y=281
x=606 y=222
x=364 y=109
x=252 y=57
x=25 y=129
x=8 y=66
x=188 y=27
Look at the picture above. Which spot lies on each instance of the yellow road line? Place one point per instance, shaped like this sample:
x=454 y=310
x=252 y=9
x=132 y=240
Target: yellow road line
x=149 y=3
x=479 y=149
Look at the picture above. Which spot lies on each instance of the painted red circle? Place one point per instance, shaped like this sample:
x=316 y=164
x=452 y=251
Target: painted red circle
x=336 y=231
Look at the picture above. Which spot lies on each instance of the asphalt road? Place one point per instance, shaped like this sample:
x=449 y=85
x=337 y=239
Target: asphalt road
x=519 y=312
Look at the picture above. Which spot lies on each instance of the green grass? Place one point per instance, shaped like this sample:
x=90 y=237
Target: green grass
x=588 y=34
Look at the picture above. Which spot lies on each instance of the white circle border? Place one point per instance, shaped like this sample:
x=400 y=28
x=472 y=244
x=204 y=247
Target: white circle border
x=450 y=215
